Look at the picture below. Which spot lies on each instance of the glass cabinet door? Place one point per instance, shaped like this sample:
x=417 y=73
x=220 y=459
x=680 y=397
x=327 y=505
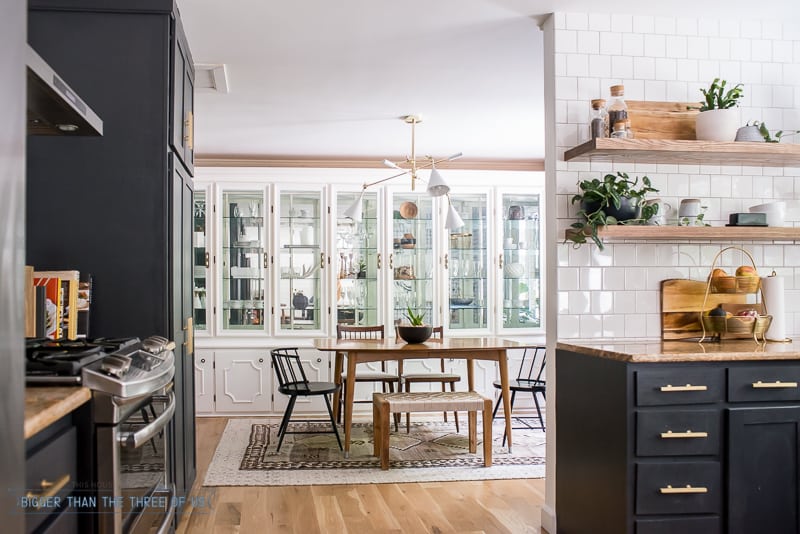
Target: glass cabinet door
x=520 y=261
x=357 y=261
x=244 y=260
x=200 y=298
x=411 y=261
x=466 y=263
x=300 y=260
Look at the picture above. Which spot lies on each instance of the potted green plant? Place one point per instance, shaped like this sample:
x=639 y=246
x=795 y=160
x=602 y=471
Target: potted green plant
x=416 y=331
x=718 y=119
x=616 y=199
x=362 y=268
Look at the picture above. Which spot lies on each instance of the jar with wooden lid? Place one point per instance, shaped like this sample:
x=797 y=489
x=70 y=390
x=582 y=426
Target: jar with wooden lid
x=617 y=109
x=598 y=119
x=619 y=130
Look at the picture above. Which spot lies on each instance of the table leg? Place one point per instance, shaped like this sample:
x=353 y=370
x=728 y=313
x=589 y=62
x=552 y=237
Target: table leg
x=470 y=375
x=348 y=401
x=337 y=379
x=503 y=362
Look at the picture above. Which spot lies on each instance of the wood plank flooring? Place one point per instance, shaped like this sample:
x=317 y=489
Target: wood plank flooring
x=488 y=506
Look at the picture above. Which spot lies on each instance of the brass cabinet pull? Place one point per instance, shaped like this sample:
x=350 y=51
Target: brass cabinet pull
x=774 y=385
x=379 y=260
x=685 y=489
x=679 y=435
x=500 y=263
x=207 y=260
x=189 y=337
x=321 y=260
x=49 y=489
x=266 y=261
x=391 y=261
x=687 y=387
x=188 y=130
x=446 y=261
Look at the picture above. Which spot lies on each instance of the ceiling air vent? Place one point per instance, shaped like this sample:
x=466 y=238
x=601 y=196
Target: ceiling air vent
x=210 y=78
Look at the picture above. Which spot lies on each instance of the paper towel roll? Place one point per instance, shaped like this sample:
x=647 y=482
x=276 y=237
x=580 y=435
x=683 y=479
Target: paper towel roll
x=774 y=298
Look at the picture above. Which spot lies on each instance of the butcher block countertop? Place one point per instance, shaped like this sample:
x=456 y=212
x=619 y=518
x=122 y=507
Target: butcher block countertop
x=46 y=405
x=685 y=351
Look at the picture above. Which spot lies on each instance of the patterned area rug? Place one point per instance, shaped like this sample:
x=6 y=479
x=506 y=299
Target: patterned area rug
x=432 y=451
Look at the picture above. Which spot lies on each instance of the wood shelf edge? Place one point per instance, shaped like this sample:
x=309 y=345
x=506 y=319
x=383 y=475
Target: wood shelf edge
x=700 y=233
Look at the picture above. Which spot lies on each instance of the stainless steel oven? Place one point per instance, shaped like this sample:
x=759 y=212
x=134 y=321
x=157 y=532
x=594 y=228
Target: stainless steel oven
x=134 y=491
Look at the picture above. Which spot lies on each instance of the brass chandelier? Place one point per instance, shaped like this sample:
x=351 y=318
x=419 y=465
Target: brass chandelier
x=436 y=185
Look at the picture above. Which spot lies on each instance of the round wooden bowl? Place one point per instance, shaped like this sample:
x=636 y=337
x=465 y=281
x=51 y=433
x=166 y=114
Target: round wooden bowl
x=408 y=210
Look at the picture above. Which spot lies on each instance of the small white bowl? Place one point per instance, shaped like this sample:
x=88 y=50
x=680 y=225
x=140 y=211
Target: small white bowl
x=775 y=211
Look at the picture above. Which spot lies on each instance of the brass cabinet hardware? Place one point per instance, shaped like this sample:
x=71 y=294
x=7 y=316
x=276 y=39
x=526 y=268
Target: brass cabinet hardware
x=500 y=262
x=49 y=489
x=207 y=260
x=379 y=260
x=685 y=489
x=688 y=434
x=687 y=387
x=321 y=260
x=391 y=261
x=189 y=337
x=188 y=130
x=266 y=260
x=446 y=261
x=774 y=385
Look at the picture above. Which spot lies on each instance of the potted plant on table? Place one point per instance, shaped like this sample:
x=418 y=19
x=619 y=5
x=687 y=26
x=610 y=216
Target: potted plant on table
x=718 y=119
x=616 y=199
x=417 y=331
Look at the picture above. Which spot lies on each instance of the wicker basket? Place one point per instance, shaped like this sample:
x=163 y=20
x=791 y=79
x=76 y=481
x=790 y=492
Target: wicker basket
x=755 y=326
x=735 y=284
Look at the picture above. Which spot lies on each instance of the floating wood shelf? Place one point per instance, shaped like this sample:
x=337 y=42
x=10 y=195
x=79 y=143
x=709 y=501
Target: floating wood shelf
x=697 y=233
x=681 y=152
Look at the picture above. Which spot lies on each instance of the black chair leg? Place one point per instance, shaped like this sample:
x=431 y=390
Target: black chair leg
x=333 y=423
x=285 y=423
x=538 y=411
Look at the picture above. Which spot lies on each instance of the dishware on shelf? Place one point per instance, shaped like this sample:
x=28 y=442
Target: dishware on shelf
x=775 y=212
x=408 y=210
x=514 y=270
x=461 y=301
x=516 y=213
x=689 y=207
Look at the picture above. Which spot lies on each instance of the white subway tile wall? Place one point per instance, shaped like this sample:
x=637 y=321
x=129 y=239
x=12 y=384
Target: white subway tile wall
x=615 y=292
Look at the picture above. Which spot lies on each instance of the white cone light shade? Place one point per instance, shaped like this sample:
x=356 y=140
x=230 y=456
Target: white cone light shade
x=453 y=220
x=356 y=210
x=436 y=184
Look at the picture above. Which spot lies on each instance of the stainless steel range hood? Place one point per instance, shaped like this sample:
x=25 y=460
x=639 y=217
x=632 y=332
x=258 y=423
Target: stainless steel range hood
x=53 y=107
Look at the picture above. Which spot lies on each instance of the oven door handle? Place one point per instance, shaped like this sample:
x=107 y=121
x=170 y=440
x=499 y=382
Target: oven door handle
x=166 y=524
x=143 y=435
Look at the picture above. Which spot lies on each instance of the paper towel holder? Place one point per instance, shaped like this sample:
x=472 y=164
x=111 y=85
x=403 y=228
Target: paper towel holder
x=786 y=339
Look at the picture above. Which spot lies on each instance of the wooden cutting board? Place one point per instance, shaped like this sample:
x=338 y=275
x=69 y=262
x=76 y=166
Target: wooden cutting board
x=681 y=304
x=662 y=120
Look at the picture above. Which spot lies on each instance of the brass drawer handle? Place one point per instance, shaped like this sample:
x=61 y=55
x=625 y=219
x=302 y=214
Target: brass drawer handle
x=49 y=489
x=774 y=385
x=680 y=435
x=687 y=387
x=687 y=489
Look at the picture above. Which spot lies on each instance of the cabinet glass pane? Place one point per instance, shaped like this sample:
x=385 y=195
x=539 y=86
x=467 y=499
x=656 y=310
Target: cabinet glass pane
x=299 y=260
x=521 y=284
x=466 y=265
x=201 y=262
x=357 y=267
x=243 y=238
x=412 y=256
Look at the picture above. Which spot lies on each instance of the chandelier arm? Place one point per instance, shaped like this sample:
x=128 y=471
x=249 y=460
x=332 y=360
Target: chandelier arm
x=427 y=165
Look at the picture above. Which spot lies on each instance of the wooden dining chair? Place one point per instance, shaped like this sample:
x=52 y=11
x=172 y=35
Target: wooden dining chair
x=442 y=377
x=530 y=379
x=385 y=378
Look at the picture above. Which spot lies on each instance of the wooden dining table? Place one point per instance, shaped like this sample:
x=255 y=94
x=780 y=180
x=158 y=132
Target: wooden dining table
x=379 y=350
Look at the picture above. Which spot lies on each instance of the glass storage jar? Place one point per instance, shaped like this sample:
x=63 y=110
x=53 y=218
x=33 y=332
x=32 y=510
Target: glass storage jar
x=598 y=119
x=617 y=109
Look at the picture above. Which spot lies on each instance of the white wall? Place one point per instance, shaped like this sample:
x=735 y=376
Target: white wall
x=615 y=292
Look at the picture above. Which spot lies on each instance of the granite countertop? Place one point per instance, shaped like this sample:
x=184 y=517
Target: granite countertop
x=658 y=351
x=46 y=405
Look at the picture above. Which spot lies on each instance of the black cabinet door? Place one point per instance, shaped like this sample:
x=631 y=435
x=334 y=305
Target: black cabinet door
x=763 y=470
x=182 y=99
x=184 y=462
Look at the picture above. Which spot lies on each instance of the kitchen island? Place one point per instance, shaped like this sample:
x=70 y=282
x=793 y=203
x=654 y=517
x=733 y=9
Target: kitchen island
x=678 y=436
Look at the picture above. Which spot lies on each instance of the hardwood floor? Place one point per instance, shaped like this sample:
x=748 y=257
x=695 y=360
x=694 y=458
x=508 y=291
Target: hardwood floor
x=508 y=506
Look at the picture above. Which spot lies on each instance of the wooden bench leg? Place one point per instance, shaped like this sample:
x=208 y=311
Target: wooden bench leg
x=376 y=427
x=487 y=433
x=384 y=418
x=473 y=431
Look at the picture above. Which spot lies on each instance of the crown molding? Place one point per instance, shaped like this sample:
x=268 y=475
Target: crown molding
x=363 y=163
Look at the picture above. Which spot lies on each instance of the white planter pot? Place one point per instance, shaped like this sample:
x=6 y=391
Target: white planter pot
x=717 y=124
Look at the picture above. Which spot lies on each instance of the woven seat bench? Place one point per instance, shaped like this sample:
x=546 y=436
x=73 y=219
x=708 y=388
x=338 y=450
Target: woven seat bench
x=384 y=404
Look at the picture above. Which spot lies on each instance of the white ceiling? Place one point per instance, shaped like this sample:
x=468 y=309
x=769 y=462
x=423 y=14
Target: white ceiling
x=323 y=78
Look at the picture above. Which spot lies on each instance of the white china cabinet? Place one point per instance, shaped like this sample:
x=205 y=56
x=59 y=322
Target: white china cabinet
x=277 y=263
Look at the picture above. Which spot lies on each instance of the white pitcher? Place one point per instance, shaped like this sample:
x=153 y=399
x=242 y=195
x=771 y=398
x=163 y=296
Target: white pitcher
x=662 y=217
